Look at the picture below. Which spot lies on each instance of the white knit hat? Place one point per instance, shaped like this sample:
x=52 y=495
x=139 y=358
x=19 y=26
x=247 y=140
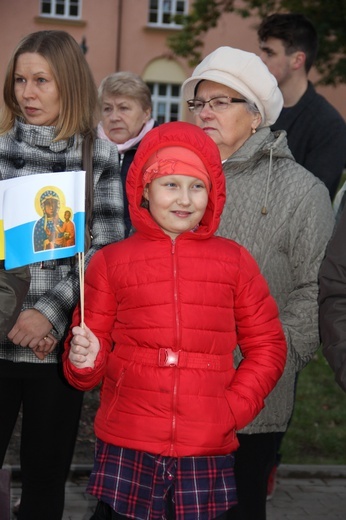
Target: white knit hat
x=244 y=72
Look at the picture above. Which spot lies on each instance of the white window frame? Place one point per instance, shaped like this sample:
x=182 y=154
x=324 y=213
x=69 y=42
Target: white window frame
x=162 y=10
x=167 y=100
x=66 y=15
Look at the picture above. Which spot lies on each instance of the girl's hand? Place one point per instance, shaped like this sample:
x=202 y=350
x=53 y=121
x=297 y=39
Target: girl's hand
x=84 y=347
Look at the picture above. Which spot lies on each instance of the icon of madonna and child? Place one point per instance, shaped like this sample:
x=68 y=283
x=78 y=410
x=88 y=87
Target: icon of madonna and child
x=50 y=231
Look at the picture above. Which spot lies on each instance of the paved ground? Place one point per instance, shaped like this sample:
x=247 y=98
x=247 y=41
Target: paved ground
x=302 y=493
x=309 y=493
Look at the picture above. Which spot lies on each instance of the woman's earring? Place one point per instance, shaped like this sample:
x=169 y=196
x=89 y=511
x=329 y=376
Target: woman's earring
x=253 y=130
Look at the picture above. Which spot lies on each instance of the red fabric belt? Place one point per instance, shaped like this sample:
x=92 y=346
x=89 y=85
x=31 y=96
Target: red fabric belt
x=166 y=357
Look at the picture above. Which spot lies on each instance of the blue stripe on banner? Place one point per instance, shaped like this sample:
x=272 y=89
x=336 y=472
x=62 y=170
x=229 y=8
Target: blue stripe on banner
x=19 y=244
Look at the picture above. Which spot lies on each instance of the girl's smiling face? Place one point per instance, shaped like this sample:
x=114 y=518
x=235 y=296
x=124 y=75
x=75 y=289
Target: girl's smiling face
x=177 y=203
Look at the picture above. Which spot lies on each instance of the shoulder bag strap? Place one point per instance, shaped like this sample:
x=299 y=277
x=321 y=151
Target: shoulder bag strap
x=87 y=164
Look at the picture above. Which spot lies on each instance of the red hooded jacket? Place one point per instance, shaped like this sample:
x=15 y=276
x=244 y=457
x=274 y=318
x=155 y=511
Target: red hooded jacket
x=169 y=315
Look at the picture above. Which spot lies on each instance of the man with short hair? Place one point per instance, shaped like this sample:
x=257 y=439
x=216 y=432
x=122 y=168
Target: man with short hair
x=316 y=132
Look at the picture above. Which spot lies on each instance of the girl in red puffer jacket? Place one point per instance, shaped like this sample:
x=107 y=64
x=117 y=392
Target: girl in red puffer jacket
x=164 y=311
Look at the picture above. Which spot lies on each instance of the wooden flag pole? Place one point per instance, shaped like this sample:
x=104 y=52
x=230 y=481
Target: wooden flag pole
x=81 y=286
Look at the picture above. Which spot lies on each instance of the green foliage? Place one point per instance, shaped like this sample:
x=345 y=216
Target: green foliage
x=329 y=18
x=317 y=431
x=204 y=16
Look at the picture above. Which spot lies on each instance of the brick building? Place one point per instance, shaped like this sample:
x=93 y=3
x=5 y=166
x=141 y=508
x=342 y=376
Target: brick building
x=131 y=35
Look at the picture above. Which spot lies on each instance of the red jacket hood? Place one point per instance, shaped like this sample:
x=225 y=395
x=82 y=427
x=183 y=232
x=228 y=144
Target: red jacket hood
x=193 y=138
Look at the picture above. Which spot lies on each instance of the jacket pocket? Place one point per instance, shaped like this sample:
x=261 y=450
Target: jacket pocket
x=116 y=391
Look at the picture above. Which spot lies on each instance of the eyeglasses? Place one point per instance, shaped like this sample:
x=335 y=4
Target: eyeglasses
x=217 y=104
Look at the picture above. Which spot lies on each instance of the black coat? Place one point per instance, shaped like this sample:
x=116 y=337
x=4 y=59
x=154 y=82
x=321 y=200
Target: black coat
x=332 y=302
x=316 y=135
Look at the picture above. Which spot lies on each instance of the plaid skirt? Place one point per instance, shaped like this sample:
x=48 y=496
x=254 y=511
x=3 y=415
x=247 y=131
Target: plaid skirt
x=144 y=486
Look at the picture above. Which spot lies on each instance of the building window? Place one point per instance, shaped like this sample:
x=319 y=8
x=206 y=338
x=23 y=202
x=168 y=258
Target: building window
x=166 y=102
x=61 y=8
x=163 y=12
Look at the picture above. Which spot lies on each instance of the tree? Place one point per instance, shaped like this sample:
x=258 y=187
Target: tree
x=328 y=16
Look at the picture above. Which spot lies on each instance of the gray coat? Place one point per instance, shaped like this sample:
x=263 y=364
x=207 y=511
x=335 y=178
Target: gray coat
x=54 y=291
x=282 y=214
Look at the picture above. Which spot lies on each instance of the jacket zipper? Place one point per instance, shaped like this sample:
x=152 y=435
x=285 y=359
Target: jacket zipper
x=177 y=334
x=177 y=317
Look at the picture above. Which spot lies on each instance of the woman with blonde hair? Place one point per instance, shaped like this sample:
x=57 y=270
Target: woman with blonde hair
x=50 y=102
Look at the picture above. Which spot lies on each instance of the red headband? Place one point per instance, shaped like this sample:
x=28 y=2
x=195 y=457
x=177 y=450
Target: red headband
x=175 y=160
